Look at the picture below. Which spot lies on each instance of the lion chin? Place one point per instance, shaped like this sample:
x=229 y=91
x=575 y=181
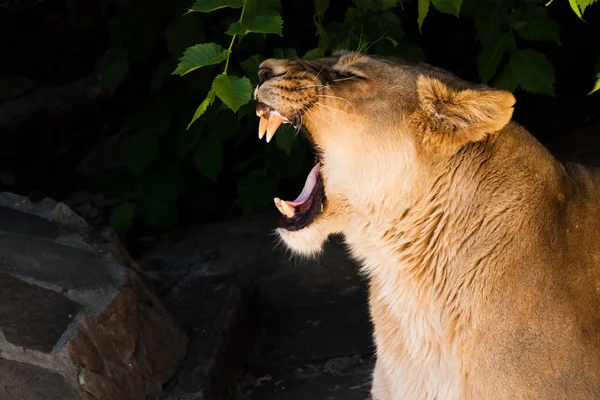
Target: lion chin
x=481 y=249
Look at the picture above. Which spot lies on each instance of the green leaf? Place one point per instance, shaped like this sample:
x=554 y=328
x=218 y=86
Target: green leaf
x=410 y=51
x=314 y=53
x=200 y=55
x=321 y=6
x=183 y=32
x=490 y=21
x=368 y=4
x=233 y=91
x=189 y=138
x=157 y=212
x=202 y=78
x=211 y=5
x=575 y=6
x=210 y=98
x=115 y=72
x=250 y=67
x=261 y=24
x=140 y=152
x=375 y=5
x=225 y=125
x=164 y=181
x=423 y=10
x=236 y=28
x=255 y=191
x=156 y=119
x=209 y=157
x=256 y=8
x=322 y=34
x=532 y=22
x=389 y=22
x=284 y=53
x=162 y=72
x=597 y=85
x=289 y=167
x=505 y=81
x=387 y=4
x=448 y=6
x=579 y=6
x=583 y=4
x=284 y=138
x=121 y=217
x=532 y=71
x=490 y=57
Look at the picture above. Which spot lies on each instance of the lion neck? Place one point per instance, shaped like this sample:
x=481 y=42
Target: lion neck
x=433 y=235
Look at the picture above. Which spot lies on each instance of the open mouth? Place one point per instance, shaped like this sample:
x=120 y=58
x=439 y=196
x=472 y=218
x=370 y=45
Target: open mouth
x=301 y=212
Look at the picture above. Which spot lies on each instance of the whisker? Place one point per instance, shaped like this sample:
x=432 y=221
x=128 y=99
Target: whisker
x=376 y=40
x=318 y=73
x=361 y=44
x=338 y=110
x=309 y=86
x=323 y=119
x=338 y=98
x=308 y=113
x=299 y=126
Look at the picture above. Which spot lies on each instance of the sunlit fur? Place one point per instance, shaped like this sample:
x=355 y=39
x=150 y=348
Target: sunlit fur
x=482 y=250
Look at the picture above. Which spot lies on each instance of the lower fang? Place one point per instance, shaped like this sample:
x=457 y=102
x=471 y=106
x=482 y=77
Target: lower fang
x=284 y=208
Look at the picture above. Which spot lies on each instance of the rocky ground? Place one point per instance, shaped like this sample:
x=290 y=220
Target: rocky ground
x=262 y=325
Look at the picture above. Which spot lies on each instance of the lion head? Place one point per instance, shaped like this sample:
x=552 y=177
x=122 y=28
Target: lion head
x=380 y=128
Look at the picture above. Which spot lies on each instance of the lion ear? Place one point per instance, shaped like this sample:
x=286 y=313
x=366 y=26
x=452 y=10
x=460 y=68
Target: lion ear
x=462 y=115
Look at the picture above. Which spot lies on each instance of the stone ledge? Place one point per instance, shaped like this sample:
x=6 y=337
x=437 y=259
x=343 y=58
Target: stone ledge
x=75 y=313
x=222 y=335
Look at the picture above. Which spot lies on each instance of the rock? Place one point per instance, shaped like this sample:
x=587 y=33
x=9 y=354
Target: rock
x=77 y=320
x=21 y=381
x=222 y=336
x=306 y=304
x=312 y=333
x=14 y=86
x=336 y=379
x=247 y=247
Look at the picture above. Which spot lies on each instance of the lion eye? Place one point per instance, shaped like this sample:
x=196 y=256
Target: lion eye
x=348 y=76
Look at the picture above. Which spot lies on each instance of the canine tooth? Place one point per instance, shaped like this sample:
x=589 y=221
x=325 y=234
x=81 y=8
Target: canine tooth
x=277 y=202
x=284 y=208
x=289 y=211
x=274 y=122
x=262 y=127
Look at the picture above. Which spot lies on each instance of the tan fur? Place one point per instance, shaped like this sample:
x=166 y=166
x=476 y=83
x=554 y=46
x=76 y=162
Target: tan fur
x=482 y=250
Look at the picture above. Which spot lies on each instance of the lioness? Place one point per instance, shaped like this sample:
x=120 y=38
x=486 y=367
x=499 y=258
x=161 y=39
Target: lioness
x=481 y=249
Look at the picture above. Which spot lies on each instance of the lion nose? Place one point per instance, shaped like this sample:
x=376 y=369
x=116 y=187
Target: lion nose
x=270 y=69
x=264 y=74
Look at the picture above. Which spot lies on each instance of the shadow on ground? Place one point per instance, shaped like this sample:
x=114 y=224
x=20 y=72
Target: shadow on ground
x=263 y=326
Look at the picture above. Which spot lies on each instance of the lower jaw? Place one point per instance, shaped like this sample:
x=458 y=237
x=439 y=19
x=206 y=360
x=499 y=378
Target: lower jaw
x=307 y=212
x=299 y=213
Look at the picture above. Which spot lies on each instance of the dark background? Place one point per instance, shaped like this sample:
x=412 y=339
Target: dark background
x=91 y=115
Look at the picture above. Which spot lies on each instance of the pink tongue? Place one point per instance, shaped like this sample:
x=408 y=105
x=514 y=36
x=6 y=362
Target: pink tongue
x=309 y=186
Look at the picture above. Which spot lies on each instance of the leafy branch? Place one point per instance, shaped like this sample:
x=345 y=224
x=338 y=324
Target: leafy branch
x=233 y=91
x=229 y=50
x=579 y=6
x=155 y=181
